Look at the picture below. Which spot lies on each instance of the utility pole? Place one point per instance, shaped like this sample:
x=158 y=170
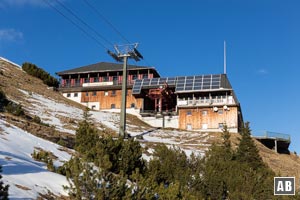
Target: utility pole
x=123 y=52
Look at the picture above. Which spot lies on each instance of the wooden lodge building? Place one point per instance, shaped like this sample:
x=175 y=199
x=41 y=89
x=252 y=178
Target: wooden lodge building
x=200 y=102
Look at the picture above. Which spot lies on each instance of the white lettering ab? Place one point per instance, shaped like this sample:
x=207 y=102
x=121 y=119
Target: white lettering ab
x=288 y=186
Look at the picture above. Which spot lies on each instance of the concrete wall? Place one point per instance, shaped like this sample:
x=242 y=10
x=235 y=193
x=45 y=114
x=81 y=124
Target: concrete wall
x=170 y=122
x=73 y=97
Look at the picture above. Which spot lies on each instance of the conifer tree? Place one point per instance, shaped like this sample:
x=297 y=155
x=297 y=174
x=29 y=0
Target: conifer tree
x=86 y=138
x=160 y=166
x=255 y=175
x=3 y=188
x=218 y=163
x=247 y=151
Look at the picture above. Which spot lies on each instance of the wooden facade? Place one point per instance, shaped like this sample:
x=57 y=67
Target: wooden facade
x=206 y=118
x=111 y=99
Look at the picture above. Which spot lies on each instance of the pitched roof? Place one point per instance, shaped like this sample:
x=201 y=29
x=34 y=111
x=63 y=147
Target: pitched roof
x=101 y=67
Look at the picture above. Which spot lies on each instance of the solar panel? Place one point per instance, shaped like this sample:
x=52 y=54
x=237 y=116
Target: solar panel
x=171 y=81
x=146 y=82
x=181 y=83
x=137 y=86
x=197 y=83
x=154 y=81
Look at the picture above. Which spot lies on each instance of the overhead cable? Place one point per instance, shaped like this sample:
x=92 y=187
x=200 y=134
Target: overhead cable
x=77 y=26
x=82 y=21
x=106 y=20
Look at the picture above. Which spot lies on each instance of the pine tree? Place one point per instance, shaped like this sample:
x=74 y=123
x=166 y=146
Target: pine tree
x=247 y=151
x=86 y=138
x=160 y=166
x=254 y=177
x=130 y=157
x=3 y=188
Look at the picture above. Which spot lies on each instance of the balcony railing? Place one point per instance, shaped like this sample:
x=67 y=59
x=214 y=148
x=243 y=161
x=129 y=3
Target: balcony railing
x=94 y=84
x=273 y=135
x=219 y=100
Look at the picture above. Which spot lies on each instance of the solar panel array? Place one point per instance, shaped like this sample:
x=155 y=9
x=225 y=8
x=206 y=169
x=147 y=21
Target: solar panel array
x=182 y=83
x=137 y=86
x=203 y=82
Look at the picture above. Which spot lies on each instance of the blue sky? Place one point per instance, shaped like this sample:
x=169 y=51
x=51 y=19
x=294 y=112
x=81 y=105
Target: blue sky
x=178 y=38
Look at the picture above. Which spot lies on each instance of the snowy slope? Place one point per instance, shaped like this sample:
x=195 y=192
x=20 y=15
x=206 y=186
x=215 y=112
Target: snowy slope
x=54 y=113
x=27 y=177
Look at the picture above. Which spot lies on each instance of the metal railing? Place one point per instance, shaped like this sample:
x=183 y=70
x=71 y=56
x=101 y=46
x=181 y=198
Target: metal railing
x=115 y=82
x=208 y=101
x=273 y=135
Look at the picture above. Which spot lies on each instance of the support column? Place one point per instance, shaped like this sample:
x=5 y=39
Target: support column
x=160 y=105
x=122 y=130
x=276 y=147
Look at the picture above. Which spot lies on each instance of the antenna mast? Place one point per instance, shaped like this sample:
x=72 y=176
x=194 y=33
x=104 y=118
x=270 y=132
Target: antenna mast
x=224 y=57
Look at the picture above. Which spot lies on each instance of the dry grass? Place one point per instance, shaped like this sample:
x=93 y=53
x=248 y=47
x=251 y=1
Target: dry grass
x=134 y=120
x=22 y=187
x=14 y=78
x=282 y=164
x=45 y=132
x=51 y=196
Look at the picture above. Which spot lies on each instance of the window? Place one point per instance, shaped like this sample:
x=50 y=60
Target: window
x=204 y=126
x=87 y=94
x=132 y=105
x=113 y=93
x=221 y=125
x=112 y=106
x=68 y=95
x=189 y=112
x=105 y=93
x=204 y=112
x=94 y=93
x=189 y=127
x=105 y=79
x=76 y=94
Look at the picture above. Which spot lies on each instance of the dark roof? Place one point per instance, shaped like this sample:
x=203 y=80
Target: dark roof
x=101 y=67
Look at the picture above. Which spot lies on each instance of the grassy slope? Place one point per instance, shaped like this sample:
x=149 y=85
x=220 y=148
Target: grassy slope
x=14 y=78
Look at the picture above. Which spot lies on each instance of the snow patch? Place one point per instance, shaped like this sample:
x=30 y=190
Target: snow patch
x=27 y=177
